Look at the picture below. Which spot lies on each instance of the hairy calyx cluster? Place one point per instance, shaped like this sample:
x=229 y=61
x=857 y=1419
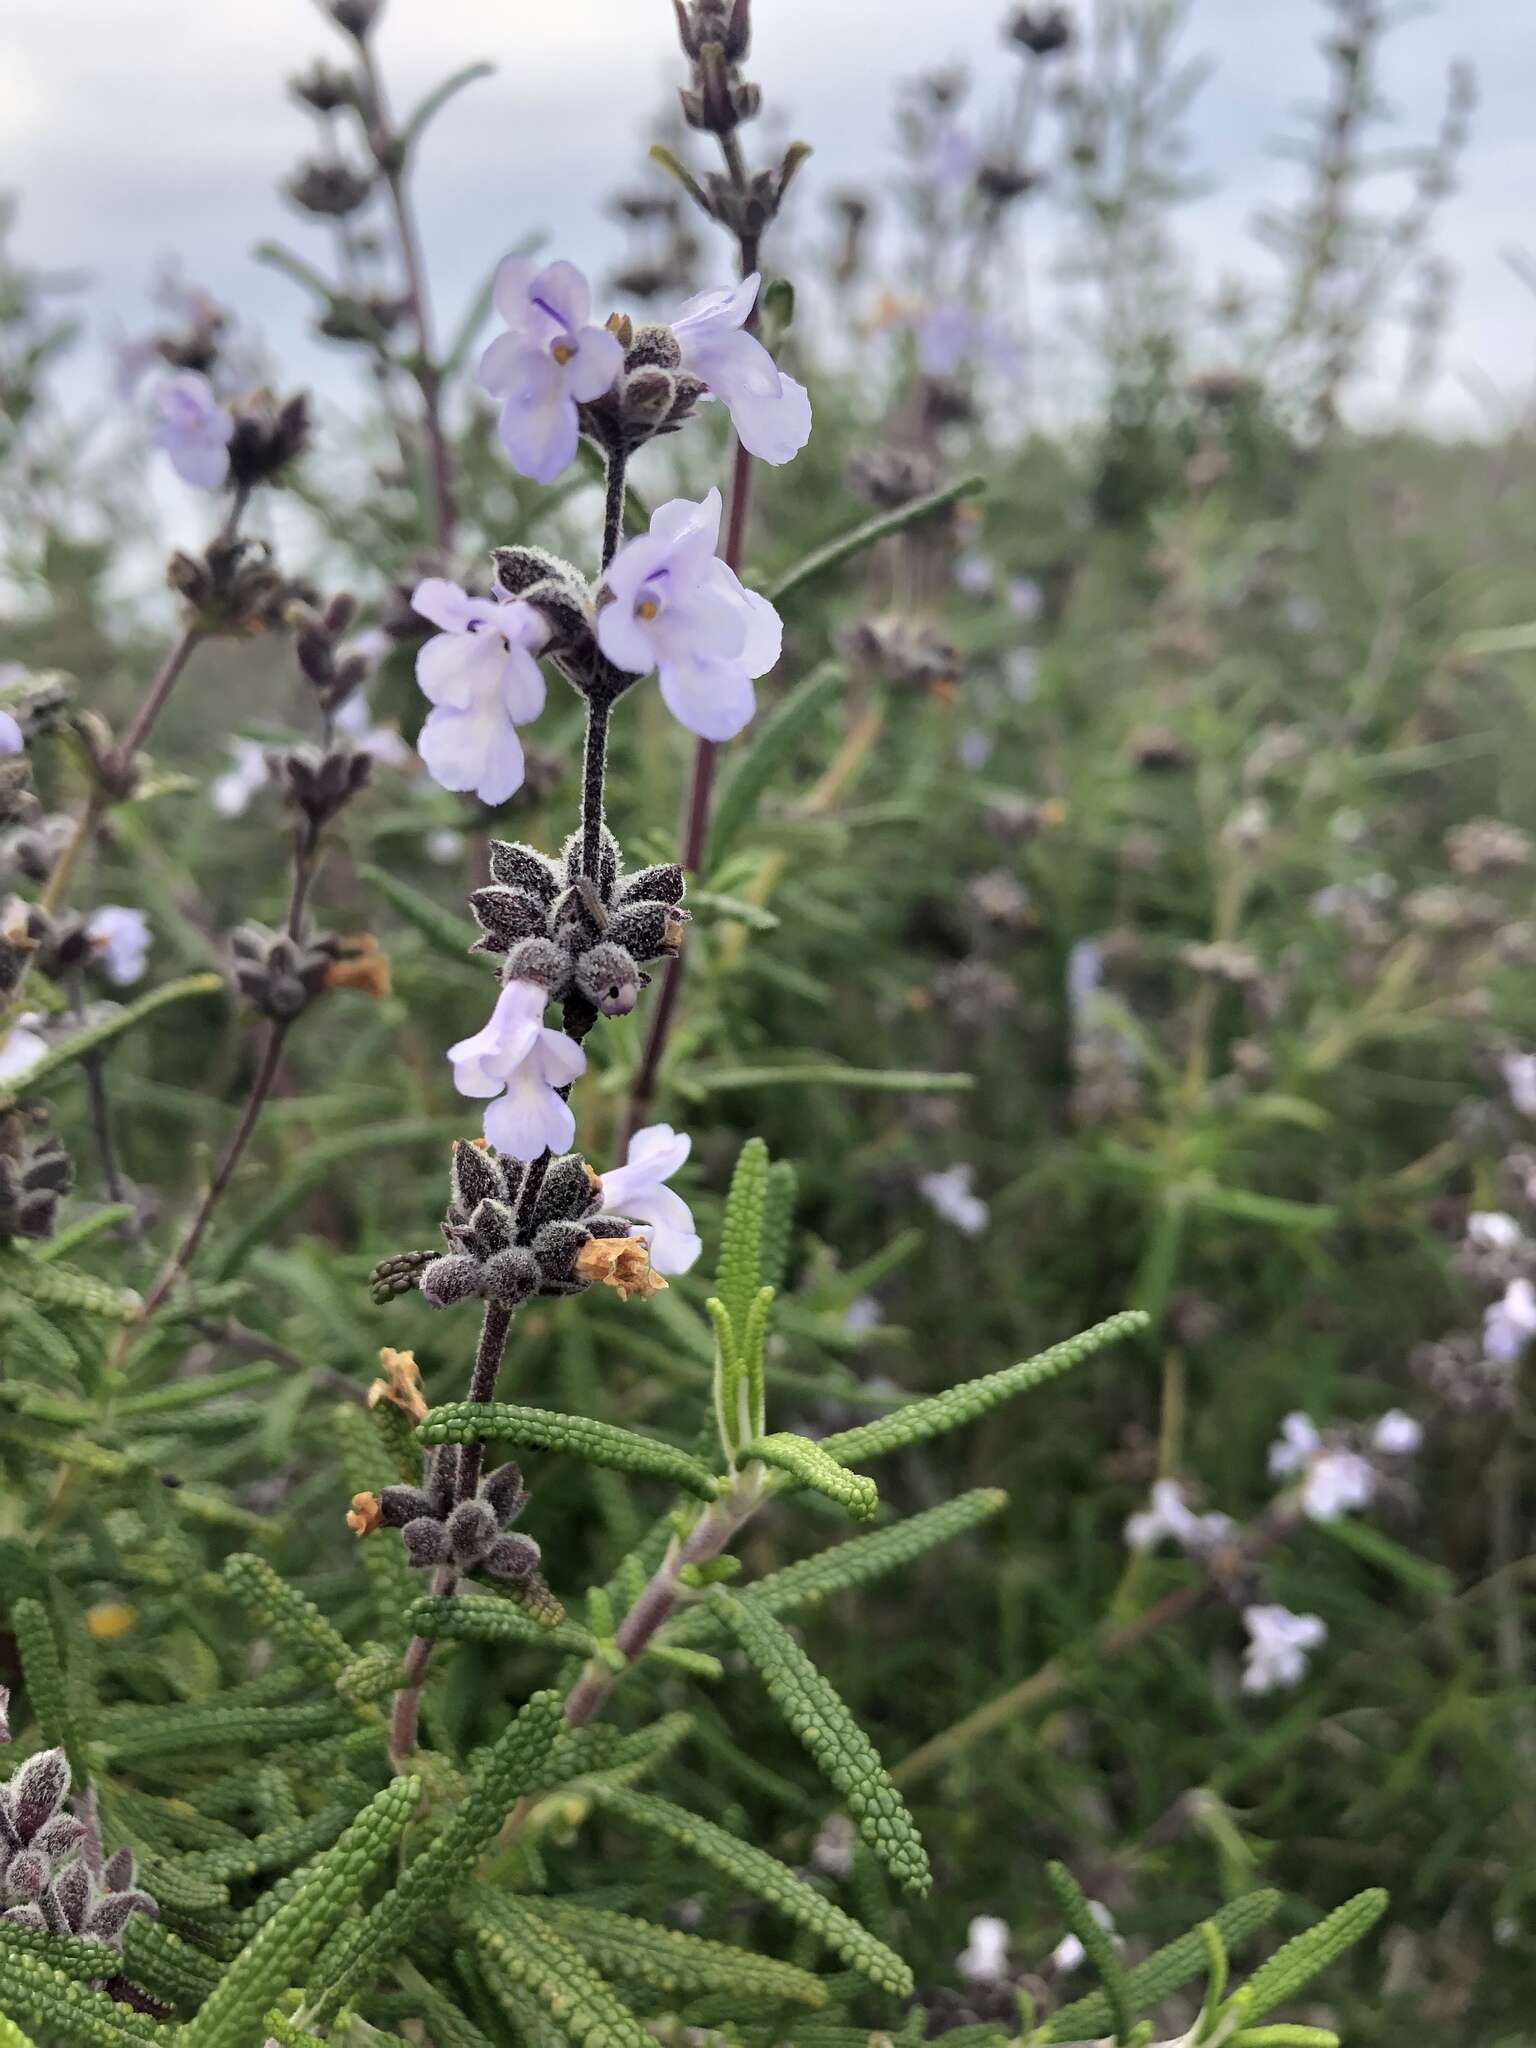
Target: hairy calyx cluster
x=46 y=1883
x=503 y=1252
x=437 y=1528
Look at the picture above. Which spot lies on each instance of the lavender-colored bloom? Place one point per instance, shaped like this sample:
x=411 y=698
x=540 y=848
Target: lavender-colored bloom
x=12 y=739
x=1334 y=1482
x=975 y=750
x=984 y=1959
x=231 y=793
x=550 y=359
x=1170 y=1518
x=951 y=335
x=674 y=606
x=1278 y=1642
x=770 y=412
x=121 y=937
x=480 y=675
x=638 y=1189
x=193 y=429
x=1491 y=1230
x=445 y=845
x=1510 y=1324
x=520 y=1063
x=382 y=743
x=951 y=1195
x=21 y=1047
x=974 y=573
x=1397 y=1435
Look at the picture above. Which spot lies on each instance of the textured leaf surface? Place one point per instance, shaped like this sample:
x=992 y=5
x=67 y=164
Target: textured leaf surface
x=530 y=1953
x=920 y=1420
x=766 y=1878
x=813 y=1466
x=823 y=1722
x=573 y=1436
x=1167 y=1970
x=667 y=1960
x=1292 y=1967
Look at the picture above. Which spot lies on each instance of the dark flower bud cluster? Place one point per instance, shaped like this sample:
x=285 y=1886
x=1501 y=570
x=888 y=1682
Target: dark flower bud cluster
x=503 y=1251
x=469 y=1535
x=316 y=645
x=269 y=435
x=324 y=87
x=32 y=848
x=35 y=1176
x=329 y=188
x=716 y=35
x=319 y=783
x=46 y=1884
x=355 y=17
x=888 y=478
x=281 y=976
x=235 y=587
x=1042 y=31
x=16 y=946
x=18 y=806
x=60 y=942
x=651 y=395
x=585 y=939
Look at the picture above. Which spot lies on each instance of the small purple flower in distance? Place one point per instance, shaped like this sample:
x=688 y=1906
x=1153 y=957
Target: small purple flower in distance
x=550 y=359
x=121 y=938
x=21 y=1047
x=952 y=1195
x=231 y=792
x=770 y=411
x=12 y=740
x=674 y=606
x=1278 y=1642
x=522 y=1064
x=193 y=429
x=638 y=1189
x=480 y=676
x=951 y=336
x=1510 y=1324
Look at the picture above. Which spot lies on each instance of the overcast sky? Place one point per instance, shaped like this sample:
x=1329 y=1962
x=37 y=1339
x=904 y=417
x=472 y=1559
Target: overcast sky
x=138 y=129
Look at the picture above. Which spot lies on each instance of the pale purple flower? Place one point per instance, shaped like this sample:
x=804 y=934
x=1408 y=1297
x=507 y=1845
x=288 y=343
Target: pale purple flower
x=975 y=750
x=520 y=1063
x=1397 y=1435
x=950 y=335
x=1491 y=1230
x=231 y=792
x=21 y=1047
x=480 y=675
x=672 y=605
x=551 y=359
x=12 y=740
x=832 y=1851
x=381 y=742
x=193 y=429
x=770 y=412
x=951 y=1195
x=1171 y=1519
x=1519 y=1070
x=445 y=845
x=1025 y=597
x=1334 y=1482
x=974 y=573
x=1069 y=1954
x=1278 y=1642
x=638 y=1189
x=862 y=1315
x=984 y=1959
x=1510 y=1324
x=121 y=937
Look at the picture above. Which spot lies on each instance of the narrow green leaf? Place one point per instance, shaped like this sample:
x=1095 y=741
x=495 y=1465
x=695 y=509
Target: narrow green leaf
x=859 y=539
x=436 y=100
x=666 y=1960
x=477 y=1618
x=813 y=1466
x=767 y=1879
x=108 y=1029
x=571 y=1436
x=741 y=1234
x=445 y=932
x=520 y=1947
x=822 y=1721
x=872 y=1080
x=920 y=1420
x=1291 y=1968
x=295 y=1622
x=1096 y=1944
x=1167 y=1970
x=767 y=757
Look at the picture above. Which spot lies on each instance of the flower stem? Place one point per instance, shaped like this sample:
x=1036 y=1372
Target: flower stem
x=425 y=371
x=405 y=1712
x=613 y=506
x=594 y=770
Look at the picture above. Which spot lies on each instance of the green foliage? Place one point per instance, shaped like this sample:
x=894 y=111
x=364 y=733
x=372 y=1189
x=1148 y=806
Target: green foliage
x=279 y=1951
x=920 y=1420
x=525 y=1951
x=571 y=1436
x=668 y=1961
x=1294 y=1966
x=296 y=1623
x=1097 y=1945
x=824 y=1725
x=757 y=1872
x=1167 y=1970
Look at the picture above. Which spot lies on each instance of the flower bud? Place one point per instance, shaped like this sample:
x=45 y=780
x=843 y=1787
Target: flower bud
x=607 y=976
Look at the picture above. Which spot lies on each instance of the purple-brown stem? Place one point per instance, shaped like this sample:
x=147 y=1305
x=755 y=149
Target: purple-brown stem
x=406 y=1710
